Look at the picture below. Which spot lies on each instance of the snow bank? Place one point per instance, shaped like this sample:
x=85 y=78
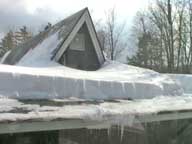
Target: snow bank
x=184 y=80
x=112 y=81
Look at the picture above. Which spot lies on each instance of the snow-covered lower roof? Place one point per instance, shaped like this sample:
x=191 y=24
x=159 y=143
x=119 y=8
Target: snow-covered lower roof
x=57 y=97
x=124 y=112
x=113 y=81
x=185 y=81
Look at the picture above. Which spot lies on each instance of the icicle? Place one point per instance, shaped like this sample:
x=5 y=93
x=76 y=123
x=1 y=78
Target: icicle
x=55 y=95
x=17 y=94
x=122 y=132
x=109 y=132
x=37 y=77
x=131 y=120
x=76 y=89
x=123 y=87
x=134 y=89
x=84 y=85
x=99 y=83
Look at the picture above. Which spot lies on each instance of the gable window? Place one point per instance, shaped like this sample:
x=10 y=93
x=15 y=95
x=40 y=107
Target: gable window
x=78 y=43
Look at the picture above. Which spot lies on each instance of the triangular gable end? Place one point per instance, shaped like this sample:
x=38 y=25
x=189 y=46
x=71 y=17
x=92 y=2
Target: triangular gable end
x=85 y=19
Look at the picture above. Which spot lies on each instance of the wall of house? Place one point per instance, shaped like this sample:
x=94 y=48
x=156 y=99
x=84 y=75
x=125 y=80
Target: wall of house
x=84 y=60
x=43 y=137
x=113 y=135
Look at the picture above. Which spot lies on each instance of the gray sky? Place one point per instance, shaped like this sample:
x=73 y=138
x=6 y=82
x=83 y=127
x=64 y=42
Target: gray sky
x=35 y=13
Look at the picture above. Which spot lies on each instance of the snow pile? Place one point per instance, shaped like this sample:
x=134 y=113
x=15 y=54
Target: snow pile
x=112 y=81
x=185 y=81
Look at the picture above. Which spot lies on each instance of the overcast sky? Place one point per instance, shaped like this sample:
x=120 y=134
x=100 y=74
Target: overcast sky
x=36 y=13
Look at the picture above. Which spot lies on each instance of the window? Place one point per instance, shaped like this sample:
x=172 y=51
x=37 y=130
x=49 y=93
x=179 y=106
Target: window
x=78 y=43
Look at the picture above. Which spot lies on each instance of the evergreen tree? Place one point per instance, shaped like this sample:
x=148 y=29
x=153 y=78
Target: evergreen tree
x=8 y=42
x=2 y=50
x=13 y=39
x=22 y=35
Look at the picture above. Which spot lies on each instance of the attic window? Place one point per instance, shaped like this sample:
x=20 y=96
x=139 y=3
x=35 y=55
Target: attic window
x=78 y=43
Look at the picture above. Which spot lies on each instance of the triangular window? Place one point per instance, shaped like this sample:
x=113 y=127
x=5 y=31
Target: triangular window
x=78 y=43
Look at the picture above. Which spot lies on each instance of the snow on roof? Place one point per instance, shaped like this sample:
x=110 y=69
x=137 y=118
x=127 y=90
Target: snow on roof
x=12 y=110
x=41 y=55
x=113 y=81
x=184 y=80
x=64 y=27
x=44 y=47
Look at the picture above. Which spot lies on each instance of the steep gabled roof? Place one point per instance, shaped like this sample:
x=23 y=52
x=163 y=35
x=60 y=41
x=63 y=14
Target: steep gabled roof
x=66 y=29
x=84 y=19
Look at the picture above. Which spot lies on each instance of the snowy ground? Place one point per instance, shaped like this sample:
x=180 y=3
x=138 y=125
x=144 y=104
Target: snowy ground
x=113 y=81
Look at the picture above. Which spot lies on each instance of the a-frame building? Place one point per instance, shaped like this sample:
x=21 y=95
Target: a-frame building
x=78 y=48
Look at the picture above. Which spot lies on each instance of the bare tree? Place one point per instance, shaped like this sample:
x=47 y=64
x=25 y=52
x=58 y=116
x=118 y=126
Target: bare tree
x=147 y=39
x=111 y=35
x=169 y=23
x=162 y=17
